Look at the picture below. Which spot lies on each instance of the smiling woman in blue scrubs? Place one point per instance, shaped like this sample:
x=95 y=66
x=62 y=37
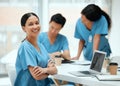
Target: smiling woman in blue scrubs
x=32 y=63
x=91 y=30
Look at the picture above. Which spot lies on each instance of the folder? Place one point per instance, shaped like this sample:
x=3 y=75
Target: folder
x=108 y=77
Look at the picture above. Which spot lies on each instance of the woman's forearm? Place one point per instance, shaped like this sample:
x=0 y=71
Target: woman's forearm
x=96 y=42
x=66 y=54
x=80 y=48
x=51 y=70
x=37 y=73
x=41 y=77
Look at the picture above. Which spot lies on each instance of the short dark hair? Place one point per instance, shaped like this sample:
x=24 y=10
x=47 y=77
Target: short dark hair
x=58 y=18
x=26 y=16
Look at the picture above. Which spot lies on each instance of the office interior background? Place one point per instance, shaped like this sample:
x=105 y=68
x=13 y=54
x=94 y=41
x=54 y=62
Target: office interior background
x=11 y=11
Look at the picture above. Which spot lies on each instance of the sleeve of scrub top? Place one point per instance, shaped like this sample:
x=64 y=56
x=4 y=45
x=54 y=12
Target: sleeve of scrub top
x=27 y=57
x=77 y=30
x=40 y=37
x=65 y=44
x=102 y=26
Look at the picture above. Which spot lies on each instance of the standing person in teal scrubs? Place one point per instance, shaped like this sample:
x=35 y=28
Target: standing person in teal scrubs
x=54 y=42
x=32 y=63
x=91 y=30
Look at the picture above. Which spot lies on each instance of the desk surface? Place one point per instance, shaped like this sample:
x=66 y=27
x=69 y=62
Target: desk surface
x=63 y=74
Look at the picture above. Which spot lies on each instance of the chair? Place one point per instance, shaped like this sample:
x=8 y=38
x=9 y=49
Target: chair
x=64 y=83
x=11 y=72
x=9 y=61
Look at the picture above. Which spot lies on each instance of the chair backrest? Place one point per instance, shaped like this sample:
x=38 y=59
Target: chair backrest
x=11 y=72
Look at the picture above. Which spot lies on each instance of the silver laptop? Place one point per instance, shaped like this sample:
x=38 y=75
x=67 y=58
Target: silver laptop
x=95 y=66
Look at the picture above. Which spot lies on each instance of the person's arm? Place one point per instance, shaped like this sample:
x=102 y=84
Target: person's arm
x=40 y=73
x=80 y=48
x=51 y=68
x=37 y=72
x=96 y=42
x=66 y=54
x=52 y=55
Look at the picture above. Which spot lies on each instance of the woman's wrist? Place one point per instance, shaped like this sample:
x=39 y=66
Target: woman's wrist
x=77 y=57
x=46 y=71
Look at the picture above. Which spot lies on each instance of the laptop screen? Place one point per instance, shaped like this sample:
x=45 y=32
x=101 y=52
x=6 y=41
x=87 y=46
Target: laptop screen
x=97 y=61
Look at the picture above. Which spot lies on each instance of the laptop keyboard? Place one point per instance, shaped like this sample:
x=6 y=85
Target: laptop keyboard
x=86 y=72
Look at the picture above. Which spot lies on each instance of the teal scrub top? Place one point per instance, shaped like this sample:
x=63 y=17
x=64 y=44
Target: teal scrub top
x=60 y=44
x=29 y=56
x=99 y=27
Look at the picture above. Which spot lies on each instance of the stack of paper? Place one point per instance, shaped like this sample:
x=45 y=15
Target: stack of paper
x=108 y=77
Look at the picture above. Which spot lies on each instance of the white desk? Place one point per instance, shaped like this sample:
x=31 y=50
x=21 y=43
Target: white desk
x=91 y=81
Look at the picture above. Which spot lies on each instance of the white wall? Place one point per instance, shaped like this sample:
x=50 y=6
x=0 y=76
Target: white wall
x=115 y=30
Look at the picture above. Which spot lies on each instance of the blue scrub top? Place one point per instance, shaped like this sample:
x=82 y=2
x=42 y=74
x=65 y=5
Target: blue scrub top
x=29 y=56
x=60 y=44
x=99 y=27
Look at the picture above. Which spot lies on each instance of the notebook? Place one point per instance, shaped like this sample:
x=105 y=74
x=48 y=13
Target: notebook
x=108 y=77
x=67 y=61
x=85 y=62
x=95 y=66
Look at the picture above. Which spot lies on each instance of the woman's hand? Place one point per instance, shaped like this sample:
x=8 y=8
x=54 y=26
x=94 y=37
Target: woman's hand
x=51 y=63
x=52 y=55
x=37 y=71
x=75 y=58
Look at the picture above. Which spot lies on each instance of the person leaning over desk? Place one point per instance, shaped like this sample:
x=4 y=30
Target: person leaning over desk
x=54 y=42
x=32 y=59
x=91 y=30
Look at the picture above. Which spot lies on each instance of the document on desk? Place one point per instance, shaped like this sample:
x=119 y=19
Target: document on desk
x=108 y=77
x=82 y=62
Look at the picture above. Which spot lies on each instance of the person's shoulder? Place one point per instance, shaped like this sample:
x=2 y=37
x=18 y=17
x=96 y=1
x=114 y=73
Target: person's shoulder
x=42 y=33
x=21 y=47
x=41 y=45
x=102 y=19
x=24 y=45
x=41 y=36
x=61 y=36
x=79 y=20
